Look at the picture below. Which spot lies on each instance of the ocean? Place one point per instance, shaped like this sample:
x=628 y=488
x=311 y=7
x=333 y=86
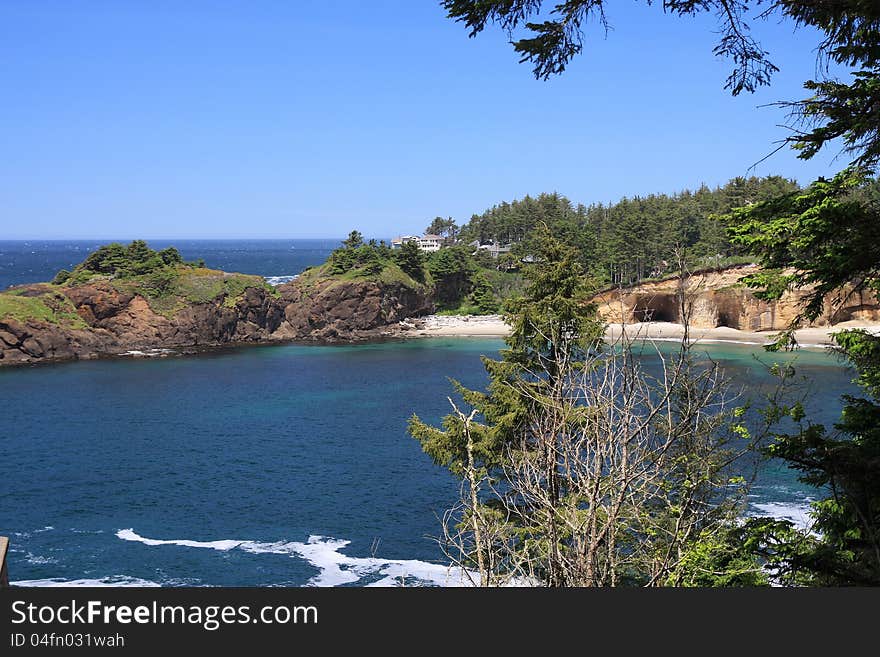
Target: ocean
x=39 y=260
x=262 y=466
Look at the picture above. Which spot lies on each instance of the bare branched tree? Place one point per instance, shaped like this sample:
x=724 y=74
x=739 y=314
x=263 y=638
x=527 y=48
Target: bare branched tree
x=591 y=464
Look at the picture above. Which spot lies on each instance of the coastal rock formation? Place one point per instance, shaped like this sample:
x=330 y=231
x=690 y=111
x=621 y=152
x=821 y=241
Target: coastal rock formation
x=333 y=310
x=98 y=319
x=718 y=298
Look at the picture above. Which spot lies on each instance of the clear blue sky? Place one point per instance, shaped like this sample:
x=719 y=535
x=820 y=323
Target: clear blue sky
x=309 y=118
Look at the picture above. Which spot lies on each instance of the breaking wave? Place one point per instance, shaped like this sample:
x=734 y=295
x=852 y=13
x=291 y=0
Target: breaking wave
x=119 y=580
x=334 y=567
x=796 y=512
x=279 y=280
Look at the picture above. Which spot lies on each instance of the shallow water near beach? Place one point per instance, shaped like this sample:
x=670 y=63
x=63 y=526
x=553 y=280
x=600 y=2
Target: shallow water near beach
x=283 y=465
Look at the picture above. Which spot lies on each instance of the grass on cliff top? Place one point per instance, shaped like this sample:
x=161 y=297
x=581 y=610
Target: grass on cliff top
x=390 y=274
x=164 y=278
x=171 y=289
x=50 y=307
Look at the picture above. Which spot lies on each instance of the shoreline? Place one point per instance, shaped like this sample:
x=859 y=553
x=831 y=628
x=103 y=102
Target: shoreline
x=466 y=326
x=486 y=326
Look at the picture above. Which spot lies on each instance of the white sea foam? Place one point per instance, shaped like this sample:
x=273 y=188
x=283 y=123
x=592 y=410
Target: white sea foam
x=47 y=528
x=797 y=512
x=224 y=546
x=334 y=567
x=279 y=280
x=149 y=353
x=38 y=559
x=118 y=580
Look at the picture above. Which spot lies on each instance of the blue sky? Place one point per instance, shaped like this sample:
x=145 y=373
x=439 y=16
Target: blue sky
x=288 y=119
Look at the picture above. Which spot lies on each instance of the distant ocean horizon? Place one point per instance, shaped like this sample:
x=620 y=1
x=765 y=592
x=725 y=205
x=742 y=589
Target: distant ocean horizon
x=37 y=261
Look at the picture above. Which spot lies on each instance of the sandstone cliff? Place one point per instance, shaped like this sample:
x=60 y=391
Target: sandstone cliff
x=719 y=298
x=44 y=322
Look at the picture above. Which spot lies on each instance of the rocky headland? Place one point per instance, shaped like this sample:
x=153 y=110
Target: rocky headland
x=205 y=308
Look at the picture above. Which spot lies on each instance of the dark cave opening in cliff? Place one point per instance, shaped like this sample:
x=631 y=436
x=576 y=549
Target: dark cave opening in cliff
x=726 y=320
x=659 y=308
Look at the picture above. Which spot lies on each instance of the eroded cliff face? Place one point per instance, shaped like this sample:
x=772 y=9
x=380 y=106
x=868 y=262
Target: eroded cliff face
x=111 y=322
x=334 y=310
x=720 y=299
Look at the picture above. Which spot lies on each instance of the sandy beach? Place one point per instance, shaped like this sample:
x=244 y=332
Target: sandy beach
x=493 y=326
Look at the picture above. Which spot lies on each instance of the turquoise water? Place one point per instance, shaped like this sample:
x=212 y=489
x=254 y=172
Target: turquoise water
x=255 y=466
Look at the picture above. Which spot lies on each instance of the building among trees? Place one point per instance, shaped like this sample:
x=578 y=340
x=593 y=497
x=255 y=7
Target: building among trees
x=428 y=243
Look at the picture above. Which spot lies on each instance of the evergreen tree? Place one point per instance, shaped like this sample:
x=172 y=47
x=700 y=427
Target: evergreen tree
x=842 y=547
x=443 y=227
x=411 y=260
x=483 y=295
x=451 y=268
x=826 y=239
x=573 y=472
x=353 y=241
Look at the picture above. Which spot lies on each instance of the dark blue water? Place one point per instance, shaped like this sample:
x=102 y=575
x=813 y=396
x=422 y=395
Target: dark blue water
x=264 y=444
x=35 y=261
x=255 y=466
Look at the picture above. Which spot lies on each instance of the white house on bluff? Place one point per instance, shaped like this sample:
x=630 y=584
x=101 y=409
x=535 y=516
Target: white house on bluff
x=425 y=242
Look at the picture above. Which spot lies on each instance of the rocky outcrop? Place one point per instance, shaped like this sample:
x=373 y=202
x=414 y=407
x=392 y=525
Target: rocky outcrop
x=718 y=298
x=25 y=342
x=115 y=322
x=333 y=310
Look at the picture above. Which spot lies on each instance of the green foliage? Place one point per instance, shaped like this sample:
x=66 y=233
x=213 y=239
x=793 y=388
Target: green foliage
x=354 y=240
x=554 y=314
x=633 y=239
x=374 y=260
x=826 y=236
x=171 y=256
x=833 y=110
x=124 y=262
x=722 y=558
x=206 y=285
x=443 y=227
x=48 y=306
x=159 y=282
x=357 y=258
x=451 y=269
x=464 y=309
x=845 y=548
x=410 y=259
x=505 y=284
x=535 y=454
x=482 y=295
x=549 y=35
x=163 y=278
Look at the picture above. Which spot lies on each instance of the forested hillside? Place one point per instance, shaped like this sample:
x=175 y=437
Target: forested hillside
x=634 y=238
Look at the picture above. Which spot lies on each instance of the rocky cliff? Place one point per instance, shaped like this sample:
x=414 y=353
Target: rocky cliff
x=45 y=322
x=718 y=298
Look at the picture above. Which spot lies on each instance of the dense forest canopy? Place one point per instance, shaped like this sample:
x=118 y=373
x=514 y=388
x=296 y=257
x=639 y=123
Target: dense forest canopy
x=636 y=237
